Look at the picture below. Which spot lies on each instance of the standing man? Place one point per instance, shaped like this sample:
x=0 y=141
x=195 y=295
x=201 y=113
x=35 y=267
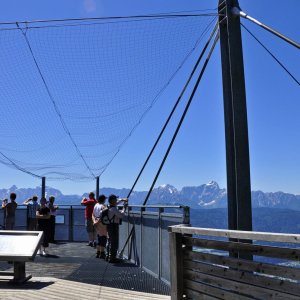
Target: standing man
x=53 y=208
x=32 y=207
x=10 y=210
x=114 y=215
x=43 y=216
x=89 y=207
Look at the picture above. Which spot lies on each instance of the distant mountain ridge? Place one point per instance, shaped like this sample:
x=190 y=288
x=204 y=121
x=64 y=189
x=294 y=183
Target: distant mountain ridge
x=205 y=196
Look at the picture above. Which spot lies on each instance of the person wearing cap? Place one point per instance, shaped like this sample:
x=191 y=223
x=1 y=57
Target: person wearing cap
x=10 y=210
x=115 y=215
x=100 y=228
x=53 y=208
x=89 y=208
x=32 y=207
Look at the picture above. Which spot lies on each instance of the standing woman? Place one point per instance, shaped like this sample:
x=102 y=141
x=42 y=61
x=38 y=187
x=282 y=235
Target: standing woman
x=43 y=216
x=99 y=227
x=53 y=208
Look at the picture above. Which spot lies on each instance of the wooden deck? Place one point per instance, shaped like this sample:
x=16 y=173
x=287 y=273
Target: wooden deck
x=52 y=288
x=71 y=271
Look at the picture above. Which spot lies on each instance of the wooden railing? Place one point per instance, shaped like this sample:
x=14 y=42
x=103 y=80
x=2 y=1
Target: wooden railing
x=211 y=264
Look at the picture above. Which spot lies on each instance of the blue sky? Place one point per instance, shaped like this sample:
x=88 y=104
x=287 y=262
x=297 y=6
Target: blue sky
x=198 y=155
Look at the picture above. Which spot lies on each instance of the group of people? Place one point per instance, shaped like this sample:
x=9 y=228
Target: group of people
x=103 y=233
x=41 y=216
x=106 y=229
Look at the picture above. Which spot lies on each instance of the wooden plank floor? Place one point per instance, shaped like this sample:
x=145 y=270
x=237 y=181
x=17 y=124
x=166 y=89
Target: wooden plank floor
x=52 y=288
x=71 y=271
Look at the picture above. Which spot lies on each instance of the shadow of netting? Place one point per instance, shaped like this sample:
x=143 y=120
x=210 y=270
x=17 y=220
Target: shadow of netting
x=123 y=275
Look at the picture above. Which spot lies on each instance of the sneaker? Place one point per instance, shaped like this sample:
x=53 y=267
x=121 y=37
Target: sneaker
x=114 y=260
x=44 y=253
x=95 y=244
x=39 y=252
x=90 y=244
x=98 y=254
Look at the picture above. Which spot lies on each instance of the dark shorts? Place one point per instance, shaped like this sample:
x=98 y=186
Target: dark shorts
x=9 y=223
x=89 y=225
x=101 y=240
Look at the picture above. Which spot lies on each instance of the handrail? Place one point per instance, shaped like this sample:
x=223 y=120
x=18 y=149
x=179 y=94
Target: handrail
x=205 y=265
x=137 y=206
x=237 y=234
x=158 y=206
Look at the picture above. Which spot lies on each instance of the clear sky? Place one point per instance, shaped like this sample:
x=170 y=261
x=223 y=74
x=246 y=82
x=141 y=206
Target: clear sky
x=198 y=155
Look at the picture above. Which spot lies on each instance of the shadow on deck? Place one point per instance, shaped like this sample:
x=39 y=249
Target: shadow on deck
x=76 y=262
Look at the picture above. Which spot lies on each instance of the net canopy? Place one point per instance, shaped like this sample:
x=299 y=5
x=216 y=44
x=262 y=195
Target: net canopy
x=73 y=92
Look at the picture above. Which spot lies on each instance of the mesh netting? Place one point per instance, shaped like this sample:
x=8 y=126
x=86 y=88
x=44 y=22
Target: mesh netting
x=71 y=93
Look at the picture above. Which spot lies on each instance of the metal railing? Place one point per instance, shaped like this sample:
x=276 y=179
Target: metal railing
x=70 y=222
x=148 y=245
x=206 y=265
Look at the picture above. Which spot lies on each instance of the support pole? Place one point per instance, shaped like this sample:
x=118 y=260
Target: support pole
x=235 y=115
x=97 y=187
x=237 y=12
x=43 y=187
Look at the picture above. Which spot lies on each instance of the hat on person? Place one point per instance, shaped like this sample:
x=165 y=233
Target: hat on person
x=112 y=198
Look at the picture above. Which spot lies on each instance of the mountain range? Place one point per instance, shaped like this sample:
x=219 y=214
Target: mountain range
x=205 y=196
x=272 y=212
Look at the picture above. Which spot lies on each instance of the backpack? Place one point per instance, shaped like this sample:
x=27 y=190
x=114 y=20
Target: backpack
x=104 y=217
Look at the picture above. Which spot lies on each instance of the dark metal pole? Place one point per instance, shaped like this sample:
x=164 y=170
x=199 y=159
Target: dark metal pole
x=235 y=114
x=97 y=187
x=236 y=11
x=43 y=187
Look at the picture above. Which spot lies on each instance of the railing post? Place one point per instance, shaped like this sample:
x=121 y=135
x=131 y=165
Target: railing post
x=141 y=237
x=97 y=187
x=176 y=265
x=43 y=187
x=160 y=211
x=129 y=247
x=186 y=215
x=71 y=235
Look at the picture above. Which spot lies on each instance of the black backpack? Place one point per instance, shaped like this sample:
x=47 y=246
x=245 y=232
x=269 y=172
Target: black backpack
x=104 y=217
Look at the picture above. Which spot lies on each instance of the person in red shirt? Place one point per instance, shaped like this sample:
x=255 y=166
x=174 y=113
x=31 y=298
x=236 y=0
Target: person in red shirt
x=89 y=207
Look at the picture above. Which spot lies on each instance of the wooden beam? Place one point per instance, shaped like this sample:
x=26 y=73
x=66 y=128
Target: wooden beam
x=240 y=288
x=212 y=291
x=260 y=283
x=291 y=273
x=176 y=266
x=260 y=250
x=236 y=234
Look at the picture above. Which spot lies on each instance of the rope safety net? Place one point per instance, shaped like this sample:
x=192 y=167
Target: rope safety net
x=73 y=92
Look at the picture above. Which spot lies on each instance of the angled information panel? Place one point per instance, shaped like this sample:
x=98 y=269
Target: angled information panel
x=19 y=247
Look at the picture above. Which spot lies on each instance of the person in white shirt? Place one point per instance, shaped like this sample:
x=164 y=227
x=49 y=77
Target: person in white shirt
x=100 y=228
